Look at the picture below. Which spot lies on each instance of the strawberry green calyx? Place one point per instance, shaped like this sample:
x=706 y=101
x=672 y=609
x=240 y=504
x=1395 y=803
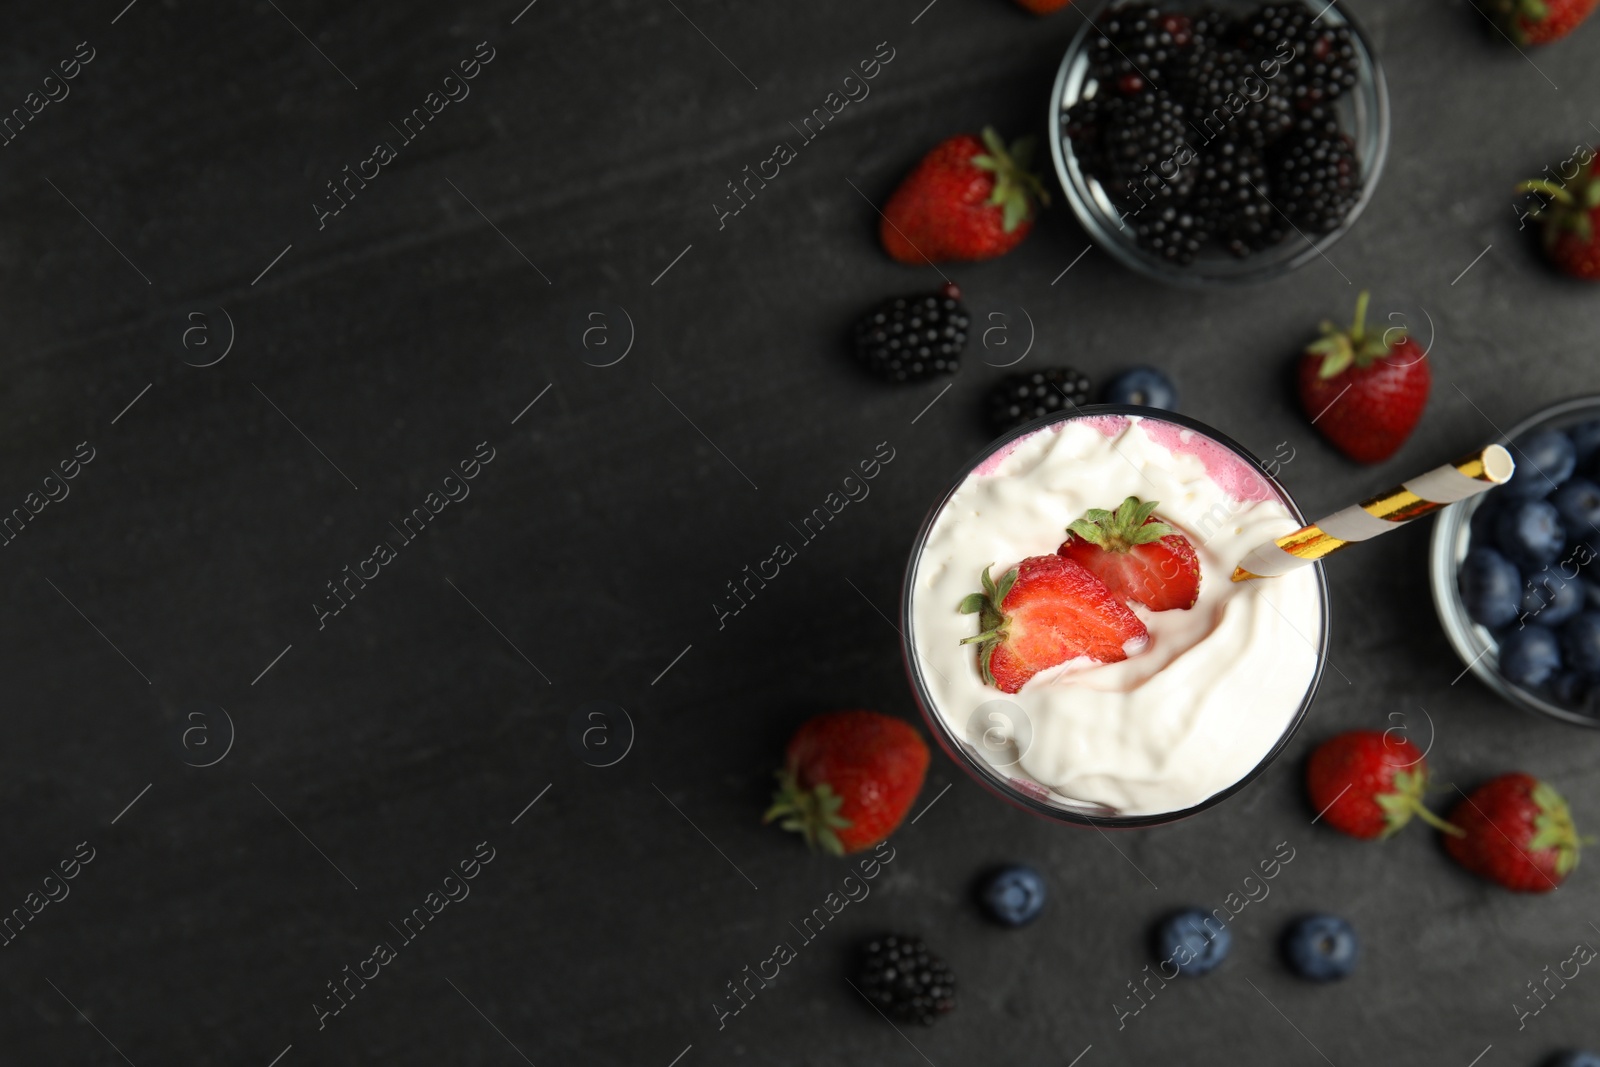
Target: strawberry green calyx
x=1016 y=188
x=1406 y=800
x=1342 y=349
x=991 y=620
x=1553 y=828
x=813 y=813
x=1123 y=529
x=1568 y=208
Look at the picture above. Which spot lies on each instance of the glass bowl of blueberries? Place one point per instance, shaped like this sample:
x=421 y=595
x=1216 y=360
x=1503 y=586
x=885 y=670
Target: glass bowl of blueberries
x=1516 y=571
x=1222 y=143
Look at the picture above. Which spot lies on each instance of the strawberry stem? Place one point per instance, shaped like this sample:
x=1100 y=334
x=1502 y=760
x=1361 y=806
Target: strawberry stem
x=1555 y=192
x=1421 y=811
x=1358 y=328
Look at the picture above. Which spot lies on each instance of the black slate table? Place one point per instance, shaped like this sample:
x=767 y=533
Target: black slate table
x=278 y=343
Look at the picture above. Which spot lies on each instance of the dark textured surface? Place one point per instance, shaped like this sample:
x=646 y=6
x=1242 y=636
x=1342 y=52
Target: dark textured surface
x=408 y=730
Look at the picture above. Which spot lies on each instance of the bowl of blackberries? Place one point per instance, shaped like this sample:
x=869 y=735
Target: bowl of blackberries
x=1516 y=570
x=1219 y=143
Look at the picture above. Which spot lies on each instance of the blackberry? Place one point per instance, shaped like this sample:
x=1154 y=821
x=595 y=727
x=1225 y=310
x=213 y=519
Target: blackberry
x=913 y=338
x=1227 y=96
x=1145 y=151
x=906 y=981
x=1316 y=179
x=1020 y=398
x=1085 y=125
x=1231 y=197
x=1172 y=232
x=1134 y=44
x=1324 y=63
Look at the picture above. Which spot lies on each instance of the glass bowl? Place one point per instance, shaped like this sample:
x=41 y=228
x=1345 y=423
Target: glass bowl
x=1452 y=535
x=1026 y=793
x=1363 y=113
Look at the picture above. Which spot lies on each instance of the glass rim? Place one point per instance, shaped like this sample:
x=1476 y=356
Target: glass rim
x=991 y=777
x=1373 y=149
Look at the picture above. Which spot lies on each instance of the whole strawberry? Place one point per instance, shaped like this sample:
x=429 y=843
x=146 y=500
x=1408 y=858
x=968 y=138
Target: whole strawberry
x=1517 y=832
x=1043 y=612
x=1365 y=392
x=1369 y=783
x=1136 y=555
x=1569 y=221
x=967 y=199
x=849 y=777
x=1540 y=21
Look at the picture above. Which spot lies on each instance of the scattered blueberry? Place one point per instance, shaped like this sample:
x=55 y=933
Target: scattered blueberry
x=1531 y=656
x=1585 y=439
x=1143 y=387
x=1550 y=600
x=1580 y=642
x=1013 y=896
x=1545 y=459
x=1574 y=1058
x=1578 y=503
x=1573 y=689
x=1321 y=947
x=1530 y=533
x=1491 y=588
x=1194 y=941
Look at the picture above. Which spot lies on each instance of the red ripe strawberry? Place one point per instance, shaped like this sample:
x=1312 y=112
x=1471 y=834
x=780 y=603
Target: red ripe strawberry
x=967 y=199
x=1043 y=612
x=1570 y=221
x=1137 y=556
x=1369 y=783
x=849 y=777
x=1541 y=21
x=1044 y=7
x=1365 y=392
x=1518 y=832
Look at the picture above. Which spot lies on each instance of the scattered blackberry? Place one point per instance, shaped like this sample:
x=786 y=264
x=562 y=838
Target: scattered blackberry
x=1020 y=398
x=913 y=338
x=906 y=981
x=1172 y=232
x=1316 y=180
x=1324 y=63
x=1143 y=150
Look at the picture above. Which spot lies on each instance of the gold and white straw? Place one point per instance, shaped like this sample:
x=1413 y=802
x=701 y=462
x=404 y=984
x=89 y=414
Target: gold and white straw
x=1423 y=495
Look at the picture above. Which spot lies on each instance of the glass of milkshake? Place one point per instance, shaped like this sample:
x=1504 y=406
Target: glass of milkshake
x=1200 y=699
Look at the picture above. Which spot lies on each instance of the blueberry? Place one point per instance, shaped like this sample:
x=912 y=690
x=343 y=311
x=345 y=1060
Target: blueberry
x=1194 y=941
x=1577 y=501
x=1531 y=656
x=1545 y=459
x=1585 y=439
x=1580 y=642
x=1530 y=533
x=1321 y=947
x=1013 y=896
x=1484 y=517
x=1574 y=1058
x=1573 y=689
x=1491 y=588
x=1550 y=599
x=1591 y=594
x=1142 y=387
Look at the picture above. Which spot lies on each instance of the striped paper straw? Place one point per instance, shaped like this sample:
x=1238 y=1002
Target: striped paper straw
x=1423 y=495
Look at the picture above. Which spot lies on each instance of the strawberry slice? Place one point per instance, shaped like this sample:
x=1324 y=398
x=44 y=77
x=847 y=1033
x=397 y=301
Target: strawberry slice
x=1136 y=555
x=1043 y=612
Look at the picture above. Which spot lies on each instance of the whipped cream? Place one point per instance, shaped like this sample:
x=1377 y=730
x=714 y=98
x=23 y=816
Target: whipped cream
x=1186 y=716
